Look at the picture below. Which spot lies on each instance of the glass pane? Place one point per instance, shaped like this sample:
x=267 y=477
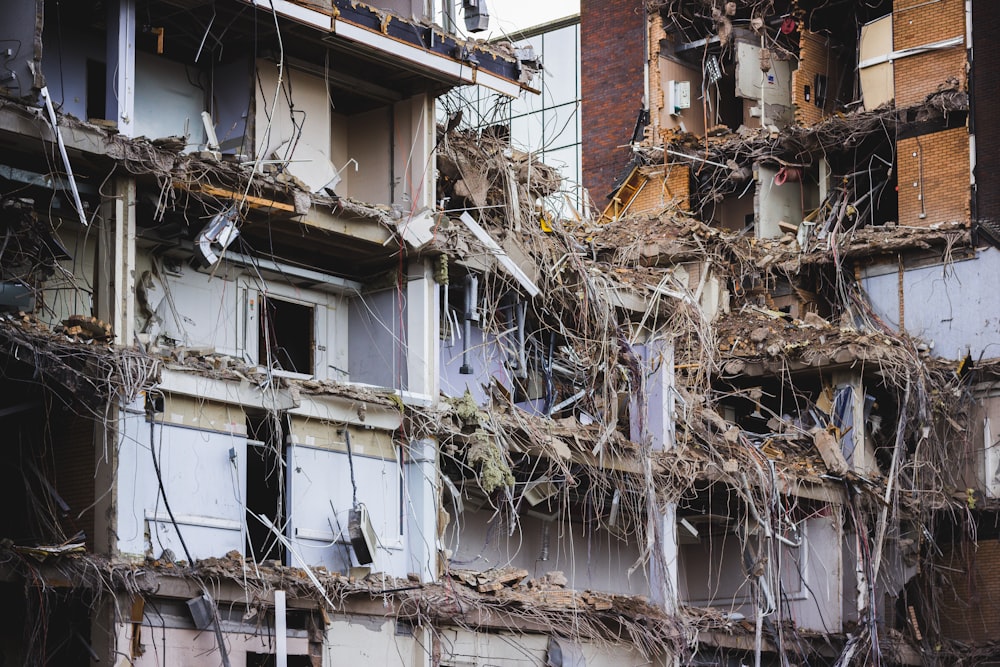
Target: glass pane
x=560 y=59
x=560 y=126
x=526 y=132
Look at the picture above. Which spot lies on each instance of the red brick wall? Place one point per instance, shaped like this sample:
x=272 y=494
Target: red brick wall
x=970 y=600
x=943 y=159
x=916 y=23
x=611 y=68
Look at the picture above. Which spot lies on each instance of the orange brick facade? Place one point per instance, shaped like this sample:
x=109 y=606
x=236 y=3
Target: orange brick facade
x=669 y=185
x=933 y=172
x=918 y=23
x=815 y=60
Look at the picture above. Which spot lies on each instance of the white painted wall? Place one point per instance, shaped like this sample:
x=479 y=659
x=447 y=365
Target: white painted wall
x=503 y=649
x=310 y=97
x=320 y=497
x=203 y=486
x=167 y=103
x=590 y=560
x=367 y=640
x=951 y=305
x=220 y=312
x=197 y=648
x=713 y=574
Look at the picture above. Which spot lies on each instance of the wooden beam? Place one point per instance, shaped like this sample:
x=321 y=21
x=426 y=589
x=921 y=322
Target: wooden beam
x=249 y=200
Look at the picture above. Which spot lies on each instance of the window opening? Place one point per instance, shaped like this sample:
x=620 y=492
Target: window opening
x=266 y=465
x=286 y=335
x=97 y=89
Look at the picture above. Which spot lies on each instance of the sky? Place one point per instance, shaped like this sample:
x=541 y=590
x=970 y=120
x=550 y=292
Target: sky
x=507 y=16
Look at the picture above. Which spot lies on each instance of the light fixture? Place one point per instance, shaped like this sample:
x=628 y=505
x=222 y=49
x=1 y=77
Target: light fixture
x=477 y=18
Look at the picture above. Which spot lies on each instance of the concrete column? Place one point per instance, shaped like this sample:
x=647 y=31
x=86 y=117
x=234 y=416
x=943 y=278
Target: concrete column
x=115 y=280
x=664 y=570
x=422 y=329
x=652 y=425
x=414 y=162
x=654 y=419
x=121 y=66
x=421 y=503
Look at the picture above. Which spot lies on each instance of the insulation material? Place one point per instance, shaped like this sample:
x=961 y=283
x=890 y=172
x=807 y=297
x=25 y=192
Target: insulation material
x=877 y=85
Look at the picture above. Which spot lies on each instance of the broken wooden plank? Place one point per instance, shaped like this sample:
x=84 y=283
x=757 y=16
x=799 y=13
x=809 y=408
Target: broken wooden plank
x=226 y=193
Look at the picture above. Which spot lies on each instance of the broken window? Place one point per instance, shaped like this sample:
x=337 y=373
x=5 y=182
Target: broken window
x=286 y=335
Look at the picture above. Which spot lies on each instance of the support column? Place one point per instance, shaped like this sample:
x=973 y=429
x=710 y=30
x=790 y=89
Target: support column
x=652 y=425
x=115 y=298
x=120 y=105
x=421 y=508
x=422 y=326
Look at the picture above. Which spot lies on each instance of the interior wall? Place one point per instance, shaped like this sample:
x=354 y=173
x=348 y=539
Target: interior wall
x=231 y=94
x=485 y=358
x=370 y=140
x=20 y=23
x=366 y=640
x=776 y=203
x=376 y=351
x=590 y=559
x=198 y=648
x=167 y=102
x=712 y=573
x=61 y=302
x=775 y=85
x=194 y=308
x=692 y=119
x=943 y=304
x=413 y=159
x=499 y=649
x=311 y=129
x=321 y=496
x=66 y=54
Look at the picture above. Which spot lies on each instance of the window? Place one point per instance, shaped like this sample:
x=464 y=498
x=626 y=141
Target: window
x=286 y=335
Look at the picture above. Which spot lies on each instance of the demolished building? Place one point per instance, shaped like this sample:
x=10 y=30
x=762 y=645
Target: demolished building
x=295 y=376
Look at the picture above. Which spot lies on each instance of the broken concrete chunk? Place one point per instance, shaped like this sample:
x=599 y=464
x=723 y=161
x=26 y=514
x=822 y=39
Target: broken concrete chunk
x=829 y=449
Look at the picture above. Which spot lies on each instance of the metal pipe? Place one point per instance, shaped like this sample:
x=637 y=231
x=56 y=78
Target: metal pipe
x=521 y=312
x=471 y=290
x=65 y=157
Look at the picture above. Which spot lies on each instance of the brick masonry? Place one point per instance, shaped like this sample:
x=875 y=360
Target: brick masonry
x=815 y=59
x=917 y=23
x=667 y=186
x=611 y=60
x=935 y=166
x=970 y=599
